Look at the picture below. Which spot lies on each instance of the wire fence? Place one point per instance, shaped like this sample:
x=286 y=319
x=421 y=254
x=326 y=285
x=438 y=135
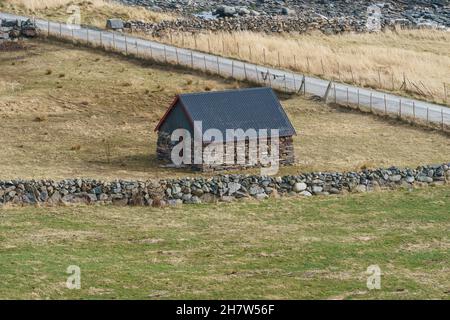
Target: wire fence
x=289 y=82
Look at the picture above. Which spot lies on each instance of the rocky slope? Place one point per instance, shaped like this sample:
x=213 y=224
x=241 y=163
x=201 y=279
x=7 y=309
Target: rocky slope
x=294 y=15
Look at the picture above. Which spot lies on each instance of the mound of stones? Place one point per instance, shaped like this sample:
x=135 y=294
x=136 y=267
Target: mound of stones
x=293 y=15
x=218 y=188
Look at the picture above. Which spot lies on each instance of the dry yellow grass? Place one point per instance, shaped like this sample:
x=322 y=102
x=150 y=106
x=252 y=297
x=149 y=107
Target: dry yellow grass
x=97 y=120
x=93 y=12
x=377 y=60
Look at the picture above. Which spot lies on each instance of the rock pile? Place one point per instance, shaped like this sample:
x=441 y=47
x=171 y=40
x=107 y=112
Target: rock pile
x=218 y=188
x=294 y=15
x=13 y=29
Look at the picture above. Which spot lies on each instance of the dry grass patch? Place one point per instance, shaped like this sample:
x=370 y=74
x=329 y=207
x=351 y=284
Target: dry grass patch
x=89 y=124
x=93 y=12
x=377 y=60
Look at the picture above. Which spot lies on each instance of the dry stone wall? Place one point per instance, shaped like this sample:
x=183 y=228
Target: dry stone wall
x=218 y=188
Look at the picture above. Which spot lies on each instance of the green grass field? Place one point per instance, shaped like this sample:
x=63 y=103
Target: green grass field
x=282 y=249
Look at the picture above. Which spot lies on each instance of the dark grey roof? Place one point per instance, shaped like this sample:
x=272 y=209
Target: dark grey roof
x=254 y=108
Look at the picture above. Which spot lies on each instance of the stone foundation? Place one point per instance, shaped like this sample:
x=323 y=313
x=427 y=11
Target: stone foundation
x=165 y=146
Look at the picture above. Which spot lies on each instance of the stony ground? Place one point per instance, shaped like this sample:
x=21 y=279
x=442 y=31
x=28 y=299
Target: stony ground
x=415 y=12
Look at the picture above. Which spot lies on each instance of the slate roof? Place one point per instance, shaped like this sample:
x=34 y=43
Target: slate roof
x=256 y=108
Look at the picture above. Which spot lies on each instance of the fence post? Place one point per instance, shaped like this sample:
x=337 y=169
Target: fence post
x=73 y=40
x=348 y=103
x=60 y=30
x=335 y=95
x=400 y=110
x=385 y=105
x=371 y=97
x=245 y=72
x=87 y=35
x=270 y=79
x=257 y=75
x=165 y=54
x=176 y=53
x=114 y=41
x=428 y=114
x=48 y=28
x=192 y=60
x=304 y=85
x=295 y=85
x=414 y=109
x=101 y=39
x=327 y=92
x=137 y=48
x=442 y=118
x=285 y=84
x=126 y=44
x=232 y=68
x=151 y=51
x=218 y=66
x=204 y=61
x=358 y=98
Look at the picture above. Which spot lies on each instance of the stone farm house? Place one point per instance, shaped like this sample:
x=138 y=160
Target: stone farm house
x=253 y=108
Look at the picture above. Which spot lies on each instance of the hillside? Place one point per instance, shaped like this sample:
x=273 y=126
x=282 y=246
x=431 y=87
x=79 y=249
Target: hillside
x=72 y=112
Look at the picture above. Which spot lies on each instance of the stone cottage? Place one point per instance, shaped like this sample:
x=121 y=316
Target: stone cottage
x=233 y=125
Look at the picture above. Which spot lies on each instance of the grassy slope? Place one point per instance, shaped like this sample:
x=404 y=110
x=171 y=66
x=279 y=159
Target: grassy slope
x=374 y=60
x=377 y=60
x=69 y=112
x=93 y=12
x=291 y=248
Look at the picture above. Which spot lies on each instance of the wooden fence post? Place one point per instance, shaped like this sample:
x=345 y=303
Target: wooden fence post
x=192 y=60
x=218 y=66
x=348 y=103
x=385 y=105
x=335 y=95
x=327 y=92
x=358 y=99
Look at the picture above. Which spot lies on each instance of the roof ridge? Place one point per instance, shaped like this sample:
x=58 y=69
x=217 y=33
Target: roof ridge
x=224 y=91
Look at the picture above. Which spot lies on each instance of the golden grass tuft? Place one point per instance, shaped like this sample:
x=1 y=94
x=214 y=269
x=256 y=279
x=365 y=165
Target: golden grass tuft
x=93 y=12
x=377 y=60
